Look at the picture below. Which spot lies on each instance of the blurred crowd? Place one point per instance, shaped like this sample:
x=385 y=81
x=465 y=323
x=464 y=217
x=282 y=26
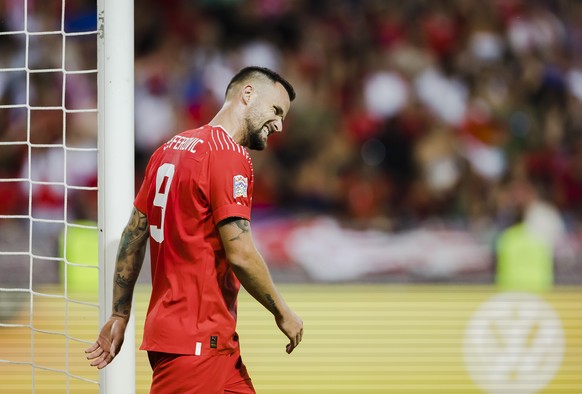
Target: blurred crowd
x=449 y=111
x=409 y=113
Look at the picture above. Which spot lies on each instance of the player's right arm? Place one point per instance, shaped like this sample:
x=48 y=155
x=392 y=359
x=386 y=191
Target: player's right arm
x=253 y=273
x=130 y=256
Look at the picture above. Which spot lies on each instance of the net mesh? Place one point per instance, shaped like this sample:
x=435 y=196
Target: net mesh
x=48 y=194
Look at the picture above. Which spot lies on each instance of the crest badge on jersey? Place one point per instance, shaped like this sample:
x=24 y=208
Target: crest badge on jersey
x=240 y=185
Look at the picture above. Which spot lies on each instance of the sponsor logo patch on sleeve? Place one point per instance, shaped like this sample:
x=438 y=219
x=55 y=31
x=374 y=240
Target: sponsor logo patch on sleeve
x=240 y=186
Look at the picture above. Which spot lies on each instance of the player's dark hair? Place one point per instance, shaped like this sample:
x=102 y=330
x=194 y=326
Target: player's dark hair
x=252 y=71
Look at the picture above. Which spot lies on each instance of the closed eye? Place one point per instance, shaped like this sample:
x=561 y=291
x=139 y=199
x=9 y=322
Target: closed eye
x=279 y=112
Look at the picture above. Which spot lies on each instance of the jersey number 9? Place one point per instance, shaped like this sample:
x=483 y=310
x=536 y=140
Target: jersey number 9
x=164 y=178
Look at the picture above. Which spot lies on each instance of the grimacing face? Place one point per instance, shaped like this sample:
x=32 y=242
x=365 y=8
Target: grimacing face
x=265 y=115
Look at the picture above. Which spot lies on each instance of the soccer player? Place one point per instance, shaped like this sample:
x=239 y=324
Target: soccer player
x=194 y=206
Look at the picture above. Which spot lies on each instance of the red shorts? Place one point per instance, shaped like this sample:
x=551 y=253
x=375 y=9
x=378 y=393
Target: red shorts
x=189 y=374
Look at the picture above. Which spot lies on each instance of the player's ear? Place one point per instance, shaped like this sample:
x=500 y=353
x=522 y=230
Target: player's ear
x=247 y=92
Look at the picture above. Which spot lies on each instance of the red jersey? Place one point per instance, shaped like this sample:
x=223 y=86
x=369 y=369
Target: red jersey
x=192 y=182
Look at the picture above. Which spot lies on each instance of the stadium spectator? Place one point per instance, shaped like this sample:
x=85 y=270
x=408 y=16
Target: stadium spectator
x=500 y=81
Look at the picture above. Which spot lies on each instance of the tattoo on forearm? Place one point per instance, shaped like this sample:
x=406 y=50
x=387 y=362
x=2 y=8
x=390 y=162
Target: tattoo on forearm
x=129 y=261
x=134 y=236
x=123 y=304
x=271 y=302
x=122 y=282
x=243 y=225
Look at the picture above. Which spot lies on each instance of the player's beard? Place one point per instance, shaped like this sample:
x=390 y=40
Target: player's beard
x=254 y=138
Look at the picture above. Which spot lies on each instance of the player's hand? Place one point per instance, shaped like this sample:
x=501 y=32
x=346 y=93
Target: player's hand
x=292 y=326
x=109 y=342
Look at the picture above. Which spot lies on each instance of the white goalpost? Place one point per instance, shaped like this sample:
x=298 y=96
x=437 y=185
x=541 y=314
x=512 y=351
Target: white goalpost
x=66 y=135
x=116 y=169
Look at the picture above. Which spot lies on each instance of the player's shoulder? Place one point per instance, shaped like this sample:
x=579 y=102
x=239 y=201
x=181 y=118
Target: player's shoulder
x=221 y=144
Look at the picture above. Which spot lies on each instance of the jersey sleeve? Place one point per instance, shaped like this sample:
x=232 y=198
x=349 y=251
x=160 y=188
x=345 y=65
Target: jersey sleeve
x=230 y=185
x=141 y=198
x=140 y=201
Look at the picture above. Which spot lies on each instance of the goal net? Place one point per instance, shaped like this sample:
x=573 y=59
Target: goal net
x=58 y=120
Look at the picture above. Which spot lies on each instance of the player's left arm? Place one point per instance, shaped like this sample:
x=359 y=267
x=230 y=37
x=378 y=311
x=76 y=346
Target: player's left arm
x=253 y=273
x=130 y=256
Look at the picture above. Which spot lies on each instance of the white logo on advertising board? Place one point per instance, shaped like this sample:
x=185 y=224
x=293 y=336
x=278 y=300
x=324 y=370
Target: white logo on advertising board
x=514 y=343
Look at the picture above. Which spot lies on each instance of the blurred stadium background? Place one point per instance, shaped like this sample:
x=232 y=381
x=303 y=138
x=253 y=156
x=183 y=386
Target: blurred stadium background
x=431 y=163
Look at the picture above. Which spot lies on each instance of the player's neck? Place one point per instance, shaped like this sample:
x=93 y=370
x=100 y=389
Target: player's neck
x=230 y=122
